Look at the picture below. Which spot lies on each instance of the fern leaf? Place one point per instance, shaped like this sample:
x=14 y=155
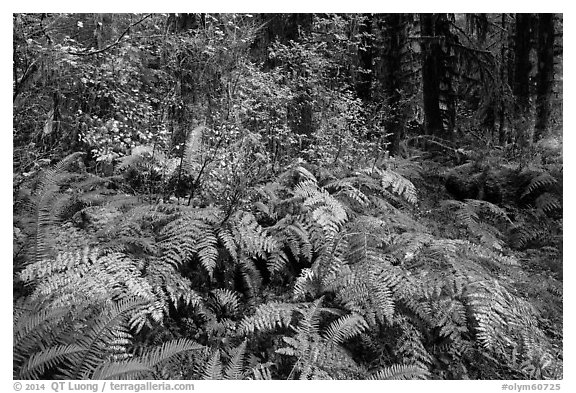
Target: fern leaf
x=305 y=283
x=207 y=252
x=398 y=183
x=131 y=369
x=235 y=366
x=45 y=359
x=268 y=317
x=548 y=202
x=154 y=357
x=213 y=368
x=401 y=371
x=541 y=181
x=277 y=262
x=101 y=332
x=226 y=301
x=345 y=328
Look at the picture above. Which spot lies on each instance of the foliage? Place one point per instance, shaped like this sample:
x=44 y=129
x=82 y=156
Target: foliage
x=232 y=210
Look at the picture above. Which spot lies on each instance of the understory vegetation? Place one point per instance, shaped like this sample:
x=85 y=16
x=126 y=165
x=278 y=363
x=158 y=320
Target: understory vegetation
x=214 y=197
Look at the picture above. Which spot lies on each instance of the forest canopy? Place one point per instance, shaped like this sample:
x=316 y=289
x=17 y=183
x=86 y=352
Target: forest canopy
x=287 y=196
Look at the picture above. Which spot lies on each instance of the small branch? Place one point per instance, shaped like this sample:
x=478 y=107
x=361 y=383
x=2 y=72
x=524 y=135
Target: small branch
x=112 y=44
x=484 y=52
x=196 y=182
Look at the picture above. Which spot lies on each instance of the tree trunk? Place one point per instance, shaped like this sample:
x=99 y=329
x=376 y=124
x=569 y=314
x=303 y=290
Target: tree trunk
x=522 y=66
x=392 y=47
x=545 y=73
x=431 y=53
x=504 y=73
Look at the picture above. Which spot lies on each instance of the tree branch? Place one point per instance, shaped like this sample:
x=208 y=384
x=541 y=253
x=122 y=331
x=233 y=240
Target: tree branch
x=89 y=53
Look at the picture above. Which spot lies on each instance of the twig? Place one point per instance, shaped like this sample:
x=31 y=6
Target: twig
x=112 y=44
x=484 y=52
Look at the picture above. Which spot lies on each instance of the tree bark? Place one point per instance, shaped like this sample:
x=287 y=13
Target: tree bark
x=522 y=66
x=504 y=74
x=431 y=53
x=392 y=47
x=545 y=76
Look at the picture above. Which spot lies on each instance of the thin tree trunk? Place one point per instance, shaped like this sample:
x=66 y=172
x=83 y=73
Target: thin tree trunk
x=504 y=37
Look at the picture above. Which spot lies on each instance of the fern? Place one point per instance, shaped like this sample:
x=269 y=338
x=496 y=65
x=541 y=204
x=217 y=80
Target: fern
x=548 y=203
x=326 y=210
x=345 y=328
x=191 y=235
x=401 y=371
x=468 y=214
x=146 y=364
x=235 y=367
x=47 y=195
x=226 y=302
x=46 y=359
x=77 y=349
x=213 y=368
x=81 y=276
x=396 y=182
x=268 y=317
x=319 y=356
x=306 y=283
x=542 y=181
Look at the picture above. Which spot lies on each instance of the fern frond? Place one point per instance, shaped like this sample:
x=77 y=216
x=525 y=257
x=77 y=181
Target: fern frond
x=345 y=328
x=252 y=238
x=327 y=211
x=548 y=202
x=165 y=352
x=226 y=302
x=306 y=283
x=207 y=251
x=102 y=331
x=401 y=371
x=541 y=181
x=234 y=368
x=398 y=183
x=131 y=369
x=411 y=347
x=47 y=358
x=226 y=238
x=213 y=368
x=267 y=317
x=489 y=207
x=277 y=262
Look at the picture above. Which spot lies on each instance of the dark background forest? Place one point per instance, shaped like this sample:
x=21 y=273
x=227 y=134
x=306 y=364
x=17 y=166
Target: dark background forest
x=287 y=196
